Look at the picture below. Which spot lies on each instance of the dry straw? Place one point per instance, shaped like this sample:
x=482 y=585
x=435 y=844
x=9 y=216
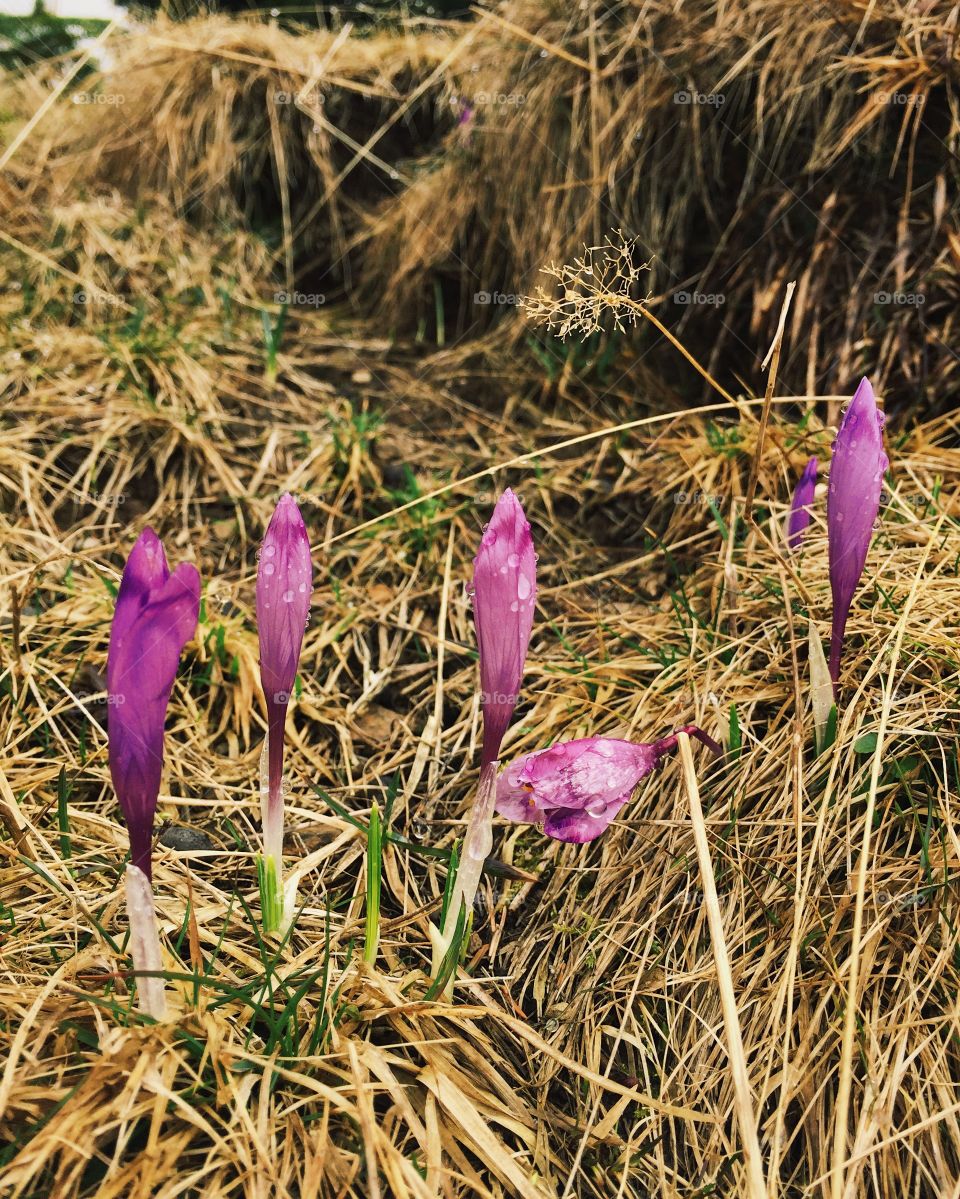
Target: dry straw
x=589 y=1050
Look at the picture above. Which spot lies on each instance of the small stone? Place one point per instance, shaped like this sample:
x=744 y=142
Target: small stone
x=186 y=840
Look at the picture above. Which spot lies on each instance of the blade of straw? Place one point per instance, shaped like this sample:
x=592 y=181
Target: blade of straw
x=756 y=1187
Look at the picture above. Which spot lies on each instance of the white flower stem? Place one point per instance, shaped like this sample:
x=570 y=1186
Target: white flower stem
x=270 y=865
x=476 y=849
x=145 y=943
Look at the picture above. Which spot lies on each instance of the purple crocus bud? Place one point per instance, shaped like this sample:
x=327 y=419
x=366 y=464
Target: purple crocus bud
x=576 y=788
x=853 y=501
x=284 y=585
x=155 y=615
x=801 y=504
x=504 y=594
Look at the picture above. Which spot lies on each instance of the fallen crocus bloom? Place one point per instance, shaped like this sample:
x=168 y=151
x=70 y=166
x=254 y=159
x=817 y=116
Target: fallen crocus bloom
x=504 y=595
x=575 y=789
x=853 y=501
x=155 y=615
x=800 y=514
x=284 y=585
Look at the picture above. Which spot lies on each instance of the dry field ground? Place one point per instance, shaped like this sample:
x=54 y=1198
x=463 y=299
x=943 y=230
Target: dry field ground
x=241 y=259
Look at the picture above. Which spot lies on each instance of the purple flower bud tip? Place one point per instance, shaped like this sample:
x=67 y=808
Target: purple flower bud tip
x=800 y=507
x=576 y=788
x=155 y=616
x=853 y=502
x=284 y=586
x=504 y=596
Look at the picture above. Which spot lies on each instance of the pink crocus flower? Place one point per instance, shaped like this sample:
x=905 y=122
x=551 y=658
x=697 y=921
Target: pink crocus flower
x=574 y=789
x=155 y=615
x=504 y=596
x=853 y=501
x=800 y=514
x=284 y=586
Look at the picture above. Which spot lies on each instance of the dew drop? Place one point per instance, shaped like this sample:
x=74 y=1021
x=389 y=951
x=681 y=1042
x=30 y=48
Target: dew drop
x=513 y=561
x=523 y=587
x=269 y=551
x=514 y=607
x=302 y=588
x=288 y=597
x=269 y=568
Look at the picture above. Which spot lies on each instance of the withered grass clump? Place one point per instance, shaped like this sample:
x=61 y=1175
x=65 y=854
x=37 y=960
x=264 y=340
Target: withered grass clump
x=429 y=171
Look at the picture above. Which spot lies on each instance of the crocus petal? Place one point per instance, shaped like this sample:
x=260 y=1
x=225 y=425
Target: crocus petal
x=284 y=584
x=155 y=615
x=853 y=501
x=504 y=594
x=579 y=826
x=590 y=778
x=800 y=507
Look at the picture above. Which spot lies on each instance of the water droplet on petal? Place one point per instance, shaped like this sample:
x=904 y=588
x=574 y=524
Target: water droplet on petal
x=302 y=588
x=269 y=568
x=288 y=597
x=513 y=561
x=523 y=587
x=269 y=550
x=514 y=607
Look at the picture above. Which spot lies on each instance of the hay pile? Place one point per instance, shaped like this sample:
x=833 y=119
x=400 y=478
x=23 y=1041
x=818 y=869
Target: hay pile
x=419 y=167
